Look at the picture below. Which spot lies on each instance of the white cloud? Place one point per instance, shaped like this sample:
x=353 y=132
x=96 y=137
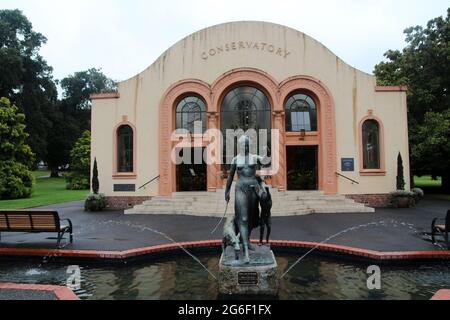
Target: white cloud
x=125 y=37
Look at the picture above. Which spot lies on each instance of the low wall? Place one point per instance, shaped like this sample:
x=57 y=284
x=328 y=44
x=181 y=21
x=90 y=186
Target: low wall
x=372 y=200
x=122 y=203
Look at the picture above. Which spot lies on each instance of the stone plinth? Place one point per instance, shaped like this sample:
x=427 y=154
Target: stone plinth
x=260 y=277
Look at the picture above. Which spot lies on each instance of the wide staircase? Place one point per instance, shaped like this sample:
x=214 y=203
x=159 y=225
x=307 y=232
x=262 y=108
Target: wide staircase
x=288 y=203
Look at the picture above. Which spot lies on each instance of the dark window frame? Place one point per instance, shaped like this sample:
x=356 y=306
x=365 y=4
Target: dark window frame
x=125 y=149
x=371 y=145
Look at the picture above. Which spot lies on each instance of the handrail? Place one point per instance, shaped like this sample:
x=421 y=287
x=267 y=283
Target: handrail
x=341 y=175
x=143 y=186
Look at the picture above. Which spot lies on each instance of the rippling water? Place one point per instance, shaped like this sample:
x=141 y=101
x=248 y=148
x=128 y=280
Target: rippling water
x=315 y=278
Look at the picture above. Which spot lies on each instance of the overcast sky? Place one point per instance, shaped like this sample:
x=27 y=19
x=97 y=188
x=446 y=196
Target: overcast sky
x=123 y=37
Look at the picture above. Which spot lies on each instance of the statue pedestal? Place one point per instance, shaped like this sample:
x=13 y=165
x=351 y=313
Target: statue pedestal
x=259 y=277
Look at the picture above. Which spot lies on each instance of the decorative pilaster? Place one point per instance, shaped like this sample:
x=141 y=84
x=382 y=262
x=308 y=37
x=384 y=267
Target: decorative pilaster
x=279 y=179
x=213 y=169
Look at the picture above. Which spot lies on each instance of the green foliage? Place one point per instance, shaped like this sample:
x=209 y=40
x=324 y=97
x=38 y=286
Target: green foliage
x=16 y=158
x=73 y=113
x=432 y=151
x=25 y=77
x=16 y=180
x=95 y=182
x=418 y=194
x=402 y=199
x=400 y=175
x=80 y=159
x=95 y=203
x=424 y=66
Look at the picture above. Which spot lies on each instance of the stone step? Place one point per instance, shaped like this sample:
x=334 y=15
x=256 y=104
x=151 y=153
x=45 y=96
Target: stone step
x=289 y=203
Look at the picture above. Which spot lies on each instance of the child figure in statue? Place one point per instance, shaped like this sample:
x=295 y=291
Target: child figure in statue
x=247 y=188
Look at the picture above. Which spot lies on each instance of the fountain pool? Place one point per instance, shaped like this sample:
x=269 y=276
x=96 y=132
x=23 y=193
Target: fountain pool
x=316 y=278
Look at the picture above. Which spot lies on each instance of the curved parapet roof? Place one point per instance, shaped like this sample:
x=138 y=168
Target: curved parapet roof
x=215 y=37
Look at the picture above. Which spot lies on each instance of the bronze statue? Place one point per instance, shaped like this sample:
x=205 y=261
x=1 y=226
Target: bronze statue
x=248 y=193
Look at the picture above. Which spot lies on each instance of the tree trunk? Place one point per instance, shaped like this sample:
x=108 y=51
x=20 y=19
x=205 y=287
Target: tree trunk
x=446 y=183
x=54 y=173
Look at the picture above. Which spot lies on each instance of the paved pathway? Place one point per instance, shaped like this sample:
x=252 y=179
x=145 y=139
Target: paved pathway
x=115 y=231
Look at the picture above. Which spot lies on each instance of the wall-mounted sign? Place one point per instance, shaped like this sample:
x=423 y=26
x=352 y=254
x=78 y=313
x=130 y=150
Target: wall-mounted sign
x=347 y=164
x=124 y=188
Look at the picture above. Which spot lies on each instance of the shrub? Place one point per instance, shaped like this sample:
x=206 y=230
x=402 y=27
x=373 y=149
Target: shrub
x=402 y=199
x=418 y=194
x=16 y=157
x=80 y=164
x=16 y=181
x=400 y=177
x=75 y=181
x=95 y=182
x=95 y=203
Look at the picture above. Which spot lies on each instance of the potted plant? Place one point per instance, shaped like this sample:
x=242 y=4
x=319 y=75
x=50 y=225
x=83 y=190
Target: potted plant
x=402 y=199
x=95 y=202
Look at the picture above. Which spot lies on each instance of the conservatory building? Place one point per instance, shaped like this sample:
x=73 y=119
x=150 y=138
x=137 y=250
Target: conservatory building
x=326 y=127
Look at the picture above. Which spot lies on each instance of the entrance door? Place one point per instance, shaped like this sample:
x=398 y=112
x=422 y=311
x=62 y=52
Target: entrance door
x=191 y=176
x=302 y=169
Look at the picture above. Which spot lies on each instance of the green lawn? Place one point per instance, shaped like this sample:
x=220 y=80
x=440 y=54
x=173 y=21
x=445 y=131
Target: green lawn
x=41 y=174
x=427 y=182
x=46 y=191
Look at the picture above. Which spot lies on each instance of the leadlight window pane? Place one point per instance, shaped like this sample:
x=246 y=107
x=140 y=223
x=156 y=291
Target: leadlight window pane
x=189 y=111
x=245 y=108
x=301 y=113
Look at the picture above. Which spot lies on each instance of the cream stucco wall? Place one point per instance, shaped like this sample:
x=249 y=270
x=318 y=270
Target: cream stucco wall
x=353 y=93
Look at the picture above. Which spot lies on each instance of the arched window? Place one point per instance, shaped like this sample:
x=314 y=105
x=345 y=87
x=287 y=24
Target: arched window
x=125 y=150
x=245 y=108
x=191 y=110
x=301 y=113
x=371 y=145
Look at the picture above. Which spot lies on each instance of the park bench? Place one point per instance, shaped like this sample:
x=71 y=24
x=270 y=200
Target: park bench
x=32 y=221
x=441 y=229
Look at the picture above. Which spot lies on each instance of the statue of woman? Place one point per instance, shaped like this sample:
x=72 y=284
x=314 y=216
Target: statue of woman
x=246 y=204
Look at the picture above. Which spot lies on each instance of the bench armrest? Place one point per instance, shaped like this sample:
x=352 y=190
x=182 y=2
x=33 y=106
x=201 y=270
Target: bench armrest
x=69 y=221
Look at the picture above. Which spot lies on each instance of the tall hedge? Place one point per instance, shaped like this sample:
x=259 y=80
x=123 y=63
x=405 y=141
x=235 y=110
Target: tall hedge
x=16 y=157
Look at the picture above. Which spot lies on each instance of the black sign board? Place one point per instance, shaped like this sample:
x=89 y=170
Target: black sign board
x=348 y=164
x=248 y=278
x=124 y=188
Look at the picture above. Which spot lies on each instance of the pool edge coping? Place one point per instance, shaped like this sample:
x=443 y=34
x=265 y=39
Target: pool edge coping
x=166 y=248
x=60 y=292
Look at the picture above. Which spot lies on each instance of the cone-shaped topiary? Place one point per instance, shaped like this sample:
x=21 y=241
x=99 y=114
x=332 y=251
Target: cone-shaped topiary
x=400 y=176
x=95 y=182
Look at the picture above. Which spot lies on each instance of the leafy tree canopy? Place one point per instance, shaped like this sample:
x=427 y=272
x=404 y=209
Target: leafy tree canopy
x=424 y=66
x=16 y=158
x=25 y=77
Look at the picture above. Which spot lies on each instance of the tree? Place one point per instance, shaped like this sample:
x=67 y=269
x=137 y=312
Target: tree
x=77 y=89
x=72 y=115
x=400 y=175
x=80 y=164
x=16 y=158
x=424 y=66
x=432 y=149
x=95 y=182
x=25 y=78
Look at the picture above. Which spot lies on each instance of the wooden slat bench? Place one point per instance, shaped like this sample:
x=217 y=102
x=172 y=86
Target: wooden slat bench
x=33 y=221
x=442 y=230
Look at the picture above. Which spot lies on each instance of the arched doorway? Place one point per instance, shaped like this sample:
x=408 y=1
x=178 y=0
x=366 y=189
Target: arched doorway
x=245 y=109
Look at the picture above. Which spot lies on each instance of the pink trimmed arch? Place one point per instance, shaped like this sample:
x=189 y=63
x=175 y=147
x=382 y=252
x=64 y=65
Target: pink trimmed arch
x=167 y=180
x=277 y=94
x=326 y=126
